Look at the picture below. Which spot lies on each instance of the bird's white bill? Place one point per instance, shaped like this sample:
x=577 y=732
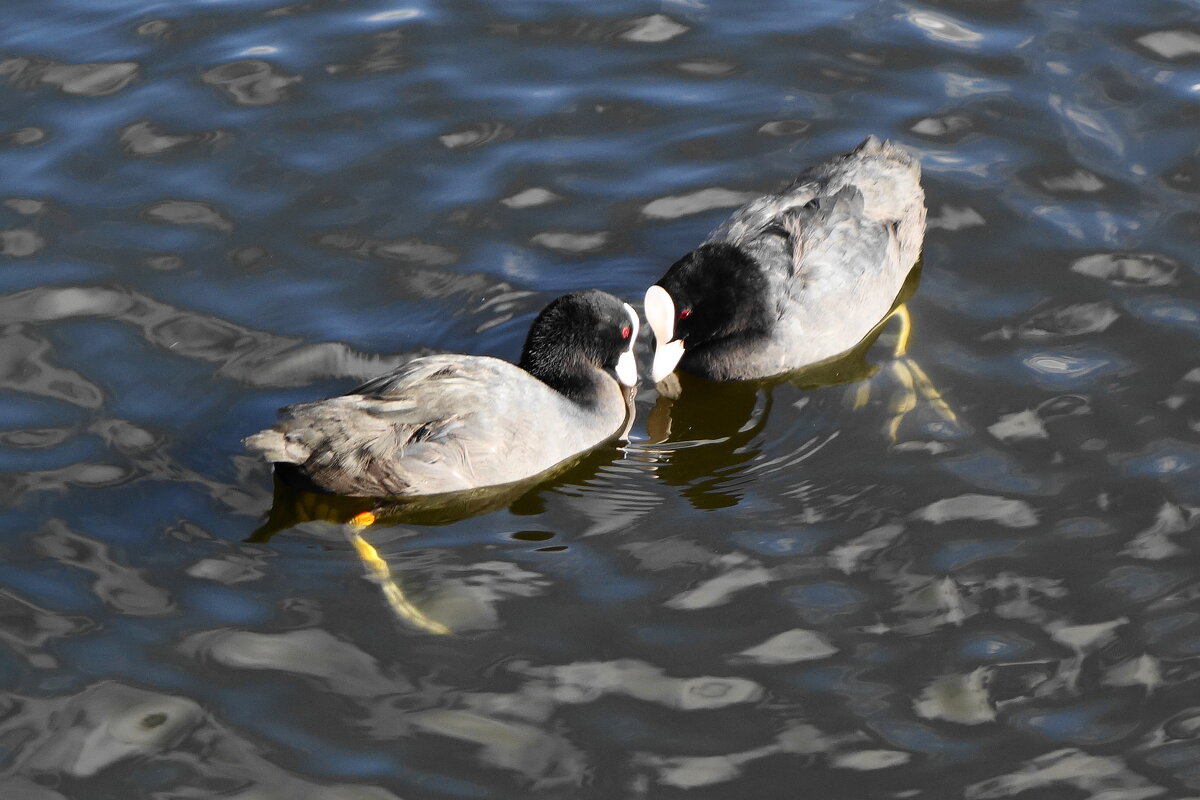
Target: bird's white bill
x=627 y=369
x=666 y=356
x=660 y=313
x=626 y=364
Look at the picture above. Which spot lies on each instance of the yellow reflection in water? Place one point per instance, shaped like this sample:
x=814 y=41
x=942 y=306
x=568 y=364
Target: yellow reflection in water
x=845 y=368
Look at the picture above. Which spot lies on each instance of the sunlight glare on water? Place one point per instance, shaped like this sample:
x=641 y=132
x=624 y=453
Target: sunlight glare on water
x=966 y=573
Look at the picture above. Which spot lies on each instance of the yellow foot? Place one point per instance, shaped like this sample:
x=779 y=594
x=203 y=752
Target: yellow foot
x=903 y=401
x=378 y=569
x=862 y=395
x=915 y=384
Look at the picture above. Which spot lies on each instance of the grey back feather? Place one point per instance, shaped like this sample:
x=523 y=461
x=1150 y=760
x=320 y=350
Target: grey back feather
x=438 y=424
x=836 y=246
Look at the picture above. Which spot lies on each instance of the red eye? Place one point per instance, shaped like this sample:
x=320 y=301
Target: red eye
x=626 y=332
x=687 y=312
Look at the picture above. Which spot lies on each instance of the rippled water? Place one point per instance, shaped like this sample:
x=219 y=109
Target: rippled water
x=970 y=572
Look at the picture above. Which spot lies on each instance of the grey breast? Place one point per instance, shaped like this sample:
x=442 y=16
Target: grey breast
x=855 y=227
x=437 y=424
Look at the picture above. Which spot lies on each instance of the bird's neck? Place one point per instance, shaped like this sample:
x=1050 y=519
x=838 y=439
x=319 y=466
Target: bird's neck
x=574 y=378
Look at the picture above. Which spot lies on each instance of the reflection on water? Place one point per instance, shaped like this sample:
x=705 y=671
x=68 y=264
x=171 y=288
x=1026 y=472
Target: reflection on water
x=957 y=564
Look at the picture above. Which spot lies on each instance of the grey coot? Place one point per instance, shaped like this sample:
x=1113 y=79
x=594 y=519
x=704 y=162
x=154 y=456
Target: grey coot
x=449 y=423
x=794 y=278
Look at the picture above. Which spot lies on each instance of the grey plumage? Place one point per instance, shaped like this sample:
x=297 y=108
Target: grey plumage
x=886 y=176
x=437 y=424
x=449 y=423
x=834 y=249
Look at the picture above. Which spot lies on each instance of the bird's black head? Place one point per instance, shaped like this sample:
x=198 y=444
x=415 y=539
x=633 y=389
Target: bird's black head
x=718 y=291
x=715 y=294
x=577 y=331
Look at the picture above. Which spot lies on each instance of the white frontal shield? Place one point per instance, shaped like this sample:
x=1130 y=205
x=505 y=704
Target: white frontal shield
x=660 y=313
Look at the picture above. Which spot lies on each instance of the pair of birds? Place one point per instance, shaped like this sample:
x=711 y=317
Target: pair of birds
x=788 y=280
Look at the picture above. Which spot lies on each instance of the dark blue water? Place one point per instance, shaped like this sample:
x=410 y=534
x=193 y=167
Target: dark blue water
x=969 y=572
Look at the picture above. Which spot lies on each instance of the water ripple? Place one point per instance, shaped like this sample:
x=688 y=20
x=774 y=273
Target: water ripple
x=979 y=556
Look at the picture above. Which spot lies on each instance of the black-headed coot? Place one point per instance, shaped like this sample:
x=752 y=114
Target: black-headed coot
x=794 y=278
x=449 y=423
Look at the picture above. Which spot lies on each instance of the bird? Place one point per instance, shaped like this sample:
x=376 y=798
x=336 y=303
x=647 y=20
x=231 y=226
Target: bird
x=451 y=423
x=794 y=278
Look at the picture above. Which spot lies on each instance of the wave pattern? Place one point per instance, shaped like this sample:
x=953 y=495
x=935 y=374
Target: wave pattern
x=815 y=588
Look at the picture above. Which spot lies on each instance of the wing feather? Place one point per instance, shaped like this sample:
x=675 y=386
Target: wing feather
x=401 y=433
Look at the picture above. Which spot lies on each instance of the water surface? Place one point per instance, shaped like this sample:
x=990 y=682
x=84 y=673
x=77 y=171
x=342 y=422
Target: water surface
x=838 y=587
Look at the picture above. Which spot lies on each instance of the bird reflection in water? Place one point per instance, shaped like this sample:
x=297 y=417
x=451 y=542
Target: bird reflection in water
x=382 y=573
x=691 y=411
x=354 y=516
x=701 y=432
x=915 y=384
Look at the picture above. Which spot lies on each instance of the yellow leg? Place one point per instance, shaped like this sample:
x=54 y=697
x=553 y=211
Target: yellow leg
x=931 y=394
x=914 y=382
x=862 y=394
x=381 y=572
x=901 y=313
x=903 y=402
